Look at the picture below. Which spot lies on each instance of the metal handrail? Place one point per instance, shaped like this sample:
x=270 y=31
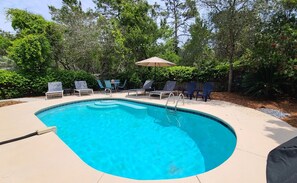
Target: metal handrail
x=180 y=96
x=170 y=95
x=110 y=92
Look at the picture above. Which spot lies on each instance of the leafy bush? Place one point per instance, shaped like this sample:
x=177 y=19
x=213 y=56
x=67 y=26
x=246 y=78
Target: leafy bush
x=178 y=73
x=31 y=54
x=67 y=77
x=13 y=85
x=264 y=82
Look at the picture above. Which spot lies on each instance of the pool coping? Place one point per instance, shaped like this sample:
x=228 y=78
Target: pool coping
x=257 y=133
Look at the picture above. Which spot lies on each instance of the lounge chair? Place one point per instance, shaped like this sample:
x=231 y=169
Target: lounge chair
x=82 y=87
x=168 y=88
x=54 y=89
x=147 y=86
x=191 y=87
x=207 y=89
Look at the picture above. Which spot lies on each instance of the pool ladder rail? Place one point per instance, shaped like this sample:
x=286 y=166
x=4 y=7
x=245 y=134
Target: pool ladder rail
x=108 y=90
x=173 y=112
x=171 y=96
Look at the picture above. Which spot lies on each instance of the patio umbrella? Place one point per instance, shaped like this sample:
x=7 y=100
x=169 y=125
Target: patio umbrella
x=155 y=62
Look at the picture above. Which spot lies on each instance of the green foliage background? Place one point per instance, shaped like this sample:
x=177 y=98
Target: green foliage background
x=14 y=85
x=247 y=45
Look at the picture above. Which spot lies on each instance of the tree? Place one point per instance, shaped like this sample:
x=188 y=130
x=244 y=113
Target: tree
x=82 y=36
x=26 y=23
x=5 y=42
x=178 y=15
x=271 y=64
x=31 y=54
x=197 y=50
x=232 y=20
x=133 y=27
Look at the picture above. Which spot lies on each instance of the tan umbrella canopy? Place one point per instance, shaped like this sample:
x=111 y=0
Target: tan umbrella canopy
x=155 y=62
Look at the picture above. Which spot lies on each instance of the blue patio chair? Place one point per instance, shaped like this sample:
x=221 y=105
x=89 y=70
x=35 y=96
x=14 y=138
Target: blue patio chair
x=108 y=85
x=191 y=87
x=106 y=89
x=100 y=84
x=207 y=89
x=54 y=89
x=168 y=88
x=82 y=87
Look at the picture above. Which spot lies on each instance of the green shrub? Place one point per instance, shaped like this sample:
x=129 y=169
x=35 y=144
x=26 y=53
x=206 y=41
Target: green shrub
x=39 y=84
x=179 y=73
x=67 y=77
x=31 y=54
x=264 y=82
x=13 y=85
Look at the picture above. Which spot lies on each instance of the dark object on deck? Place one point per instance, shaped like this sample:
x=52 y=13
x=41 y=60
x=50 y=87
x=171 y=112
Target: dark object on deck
x=191 y=86
x=282 y=163
x=68 y=91
x=207 y=89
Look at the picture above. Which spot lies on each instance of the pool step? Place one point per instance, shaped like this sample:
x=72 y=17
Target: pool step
x=132 y=106
x=105 y=104
x=92 y=106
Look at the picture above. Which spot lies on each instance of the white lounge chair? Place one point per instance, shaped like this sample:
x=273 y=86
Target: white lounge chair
x=147 y=86
x=168 y=88
x=81 y=87
x=54 y=89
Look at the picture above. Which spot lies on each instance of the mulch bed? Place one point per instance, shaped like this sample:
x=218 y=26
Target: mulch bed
x=284 y=105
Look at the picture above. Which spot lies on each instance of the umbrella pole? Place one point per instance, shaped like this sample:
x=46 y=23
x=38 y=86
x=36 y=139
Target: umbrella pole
x=155 y=73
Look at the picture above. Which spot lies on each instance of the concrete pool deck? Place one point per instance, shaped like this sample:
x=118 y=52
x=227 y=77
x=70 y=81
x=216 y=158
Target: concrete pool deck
x=46 y=158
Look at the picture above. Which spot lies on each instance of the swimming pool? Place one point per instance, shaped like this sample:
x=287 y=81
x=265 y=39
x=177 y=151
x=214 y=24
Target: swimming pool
x=141 y=141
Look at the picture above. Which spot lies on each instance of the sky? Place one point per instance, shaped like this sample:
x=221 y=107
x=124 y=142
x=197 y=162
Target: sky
x=35 y=6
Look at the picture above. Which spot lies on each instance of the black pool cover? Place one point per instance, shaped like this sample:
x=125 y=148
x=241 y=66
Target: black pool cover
x=282 y=163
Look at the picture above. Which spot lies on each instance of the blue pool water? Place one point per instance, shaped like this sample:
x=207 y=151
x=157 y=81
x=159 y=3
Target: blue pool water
x=141 y=141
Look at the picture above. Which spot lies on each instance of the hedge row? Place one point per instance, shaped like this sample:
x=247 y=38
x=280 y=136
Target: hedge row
x=181 y=74
x=14 y=85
